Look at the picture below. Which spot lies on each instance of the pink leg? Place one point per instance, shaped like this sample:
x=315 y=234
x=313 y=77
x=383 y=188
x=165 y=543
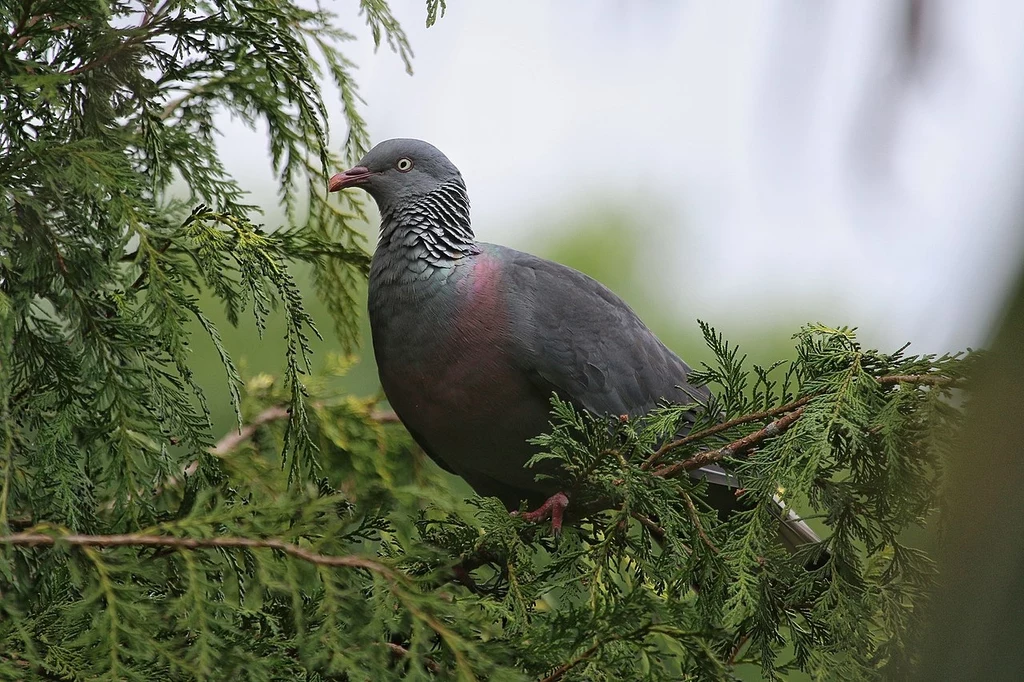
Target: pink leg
x=553 y=508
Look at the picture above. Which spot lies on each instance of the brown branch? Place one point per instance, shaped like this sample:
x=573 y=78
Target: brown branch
x=795 y=408
x=109 y=54
x=174 y=104
x=732 y=449
x=561 y=670
x=385 y=417
x=146 y=25
x=657 y=531
x=23 y=25
x=23 y=40
x=219 y=542
x=718 y=428
x=235 y=438
x=737 y=649
x=232 y=440
x=273 y=413
x=393 y=577
x=401 y=652
x=200 y=89
x=928 y=379
x=692 y=510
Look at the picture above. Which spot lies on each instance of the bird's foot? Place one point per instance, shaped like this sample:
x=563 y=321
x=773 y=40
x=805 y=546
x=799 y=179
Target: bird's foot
x=553 y=508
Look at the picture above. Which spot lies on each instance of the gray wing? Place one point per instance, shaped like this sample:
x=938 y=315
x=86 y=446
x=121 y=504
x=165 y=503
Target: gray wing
x=586 y=341
x=577 y=338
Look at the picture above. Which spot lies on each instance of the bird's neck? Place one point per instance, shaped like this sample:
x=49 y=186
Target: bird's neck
x=433 y=227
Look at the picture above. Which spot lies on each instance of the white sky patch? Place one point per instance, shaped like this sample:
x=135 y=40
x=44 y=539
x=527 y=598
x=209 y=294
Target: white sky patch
x=800 y=173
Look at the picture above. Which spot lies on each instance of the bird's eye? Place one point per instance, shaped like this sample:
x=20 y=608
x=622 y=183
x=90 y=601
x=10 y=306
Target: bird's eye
x=404 y=165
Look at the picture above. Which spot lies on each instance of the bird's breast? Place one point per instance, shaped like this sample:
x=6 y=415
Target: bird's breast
x=446 y=366
x=439 y=339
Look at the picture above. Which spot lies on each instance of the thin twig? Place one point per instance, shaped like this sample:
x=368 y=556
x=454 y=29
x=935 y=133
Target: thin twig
x=232 y=440
x=8 y=462
x=200 y=89
x=696 y=522
x=401 y=652
x=657 y=531
x=142 y=275
x=561 y=670
x=24 y=39
x=24 y=24
x=393 y=577
x=219 y=542
x=384 y=417
x=235 y=438
x=795 y=410
x=929 y=379
x=149 y=29
x=109 y=54
x=737 y=649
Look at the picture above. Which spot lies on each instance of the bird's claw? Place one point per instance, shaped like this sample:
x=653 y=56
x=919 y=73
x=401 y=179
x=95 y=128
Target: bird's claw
x=553 y=508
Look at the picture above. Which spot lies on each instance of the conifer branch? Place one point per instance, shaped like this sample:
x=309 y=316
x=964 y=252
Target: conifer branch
x=29 y=539
x=560 y=672
x=401 y=652
x=737 y=649
x=718 y=428
x=737 y=447
x=923 y=379
x=385 y=417
x=695 y=519
x=656 y=530
x=110 y=54
x=7 y=457
x=233 y=439
x=26 y=22
x=140 y=280
x=200 y=89
x=149 y=28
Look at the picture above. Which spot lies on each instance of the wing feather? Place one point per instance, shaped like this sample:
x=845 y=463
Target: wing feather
x=573 y=334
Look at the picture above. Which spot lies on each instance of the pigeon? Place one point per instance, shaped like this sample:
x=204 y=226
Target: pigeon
x=472 y=339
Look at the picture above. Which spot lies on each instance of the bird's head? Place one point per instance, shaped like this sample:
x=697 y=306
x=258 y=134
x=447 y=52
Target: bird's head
x=398 y=171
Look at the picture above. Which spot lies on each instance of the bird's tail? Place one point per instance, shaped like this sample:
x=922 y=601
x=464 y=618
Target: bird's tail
x=794 y=533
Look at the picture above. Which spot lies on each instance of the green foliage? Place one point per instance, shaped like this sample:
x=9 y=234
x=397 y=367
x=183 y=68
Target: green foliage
x=316 y=541
x=859 y=450
x=105 y=107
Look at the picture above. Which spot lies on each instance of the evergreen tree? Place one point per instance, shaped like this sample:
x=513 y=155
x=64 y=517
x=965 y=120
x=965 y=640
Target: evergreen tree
x=315 y=541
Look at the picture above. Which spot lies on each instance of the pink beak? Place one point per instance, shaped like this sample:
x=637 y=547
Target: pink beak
x=350 y=178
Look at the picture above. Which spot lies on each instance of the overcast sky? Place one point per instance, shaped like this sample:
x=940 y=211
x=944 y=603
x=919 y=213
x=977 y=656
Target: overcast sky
x=804 y=160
